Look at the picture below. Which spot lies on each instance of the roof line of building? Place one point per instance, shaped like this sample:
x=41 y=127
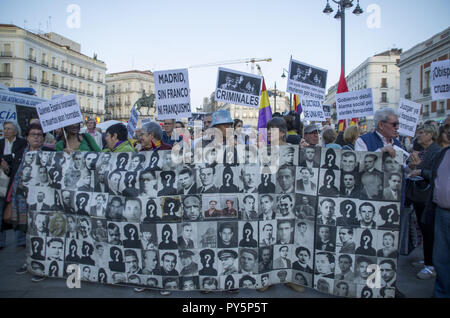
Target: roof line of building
x=44 y=38
x=132 y=71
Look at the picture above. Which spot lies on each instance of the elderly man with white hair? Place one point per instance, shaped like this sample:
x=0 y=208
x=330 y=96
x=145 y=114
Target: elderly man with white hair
x=151 y=137
x=384 y=138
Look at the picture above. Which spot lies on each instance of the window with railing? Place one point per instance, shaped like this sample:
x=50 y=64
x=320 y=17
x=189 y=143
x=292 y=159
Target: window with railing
x=384 y=97
x=441 y=109
x=384 y=68
x=426 y=90
x=6 y=52
x=384 y=83
x=6 y=71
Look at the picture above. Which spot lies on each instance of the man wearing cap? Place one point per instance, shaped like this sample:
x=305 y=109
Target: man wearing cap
x=189 y=267
x=311 y=136
x=221 y=120
x=212 y=212
x=227 y=257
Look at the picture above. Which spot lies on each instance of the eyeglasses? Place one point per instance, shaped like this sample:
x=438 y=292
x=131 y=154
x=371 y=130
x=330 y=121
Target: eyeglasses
x=394 y=124
x=36 y=135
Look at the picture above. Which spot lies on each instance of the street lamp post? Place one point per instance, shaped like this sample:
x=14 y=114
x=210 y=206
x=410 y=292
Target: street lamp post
x=290 y=94
x=342 y=6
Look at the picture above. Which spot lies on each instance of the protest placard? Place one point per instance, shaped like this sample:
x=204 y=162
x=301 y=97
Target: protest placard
x=238 y=88
x=59 y=112
x=312 y=109
x=132 y=122
x=306 y=80
x=173 y=99
x=327 y=111
x=408 y=117
x=440 y=80
x=354 y=104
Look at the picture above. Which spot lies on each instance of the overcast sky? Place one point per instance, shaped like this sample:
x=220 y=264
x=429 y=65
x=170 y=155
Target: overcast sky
x=171 y=34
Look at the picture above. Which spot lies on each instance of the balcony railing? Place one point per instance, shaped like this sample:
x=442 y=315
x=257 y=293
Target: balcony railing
x=91 y=78
x=408 y=96
x=73 y=89
x=6 y=54
x=384 y=100
x=82 y=91
x=426 y=114
x=100 y=81
x=32 y=78
x=55 y=84
x=44 y=81
x=64 y=87
x=440 y=111
x=6 y=74
x=64 y=69
x=73 y=73
x=90 y=93
x=100 y=96
x=384 y=85
x=127 y=103
x=32 y=58
x=81 y=76
x=118 y=103
x=45 y=63
x=54 y=66
x=426 y=91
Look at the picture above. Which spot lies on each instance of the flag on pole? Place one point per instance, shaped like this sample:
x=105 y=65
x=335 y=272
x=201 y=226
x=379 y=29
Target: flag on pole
x=343 y=88
x=265 y=112
x=297 y=104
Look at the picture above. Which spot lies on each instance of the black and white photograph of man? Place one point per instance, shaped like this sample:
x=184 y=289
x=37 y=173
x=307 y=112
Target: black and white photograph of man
x=114 y=233
x=304 y=233
x=98 y=205
x=192 y=208
x=114 y=210
x=306 y=207
x=167 y=233
x=307 y=180
x=303 y=262
x=42 y=177
x=310 y=157
x=247 y=234
x=349 y=185
x=372 y=186
x=392 y=186
x=100 y=256
x=90 y=160
x=327 y=212
x=168 y=263
x=248 y=261
x=137 y=162
x=285 y=231
x=85 y=181
x=132 y=210
x=329 y=182
x=148 y=183
x=187 y=238
x=285 y=179
x=344 y=270
x=55 y=249
x=189 y=283
x=207 y=179
x=114 y=182
x=285 y=206
x=250 y=178
x=265 y=262
x=148 y=236
x=84 y=228
x=248 y=207
x=228 y=262
x=166 y=183
x=282 y=256
x=308 y=75
x=324 y=264
x=346 y=244
x=287 y=155
x=390 y=165
x=101 y=177
x=40 y=228
x=361 y=273
x=325 y=238
x=267 y=210
x=371 y=162
x=132 y=261
x=40 y=204
x=210 y=284
x=349 y=162
x=388 y=270
x=188 y=263
x=367 y=215
x=267 y=233
x=99 y=230
x=367 y=240
x=227 y=235
x=150 y=262
x=186 y=181
x=238 y=82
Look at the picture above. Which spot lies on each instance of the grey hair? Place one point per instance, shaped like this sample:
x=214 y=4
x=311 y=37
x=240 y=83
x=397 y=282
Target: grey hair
x=382 y=115
x=153 y=128
x=16 y=127
x=429 y=128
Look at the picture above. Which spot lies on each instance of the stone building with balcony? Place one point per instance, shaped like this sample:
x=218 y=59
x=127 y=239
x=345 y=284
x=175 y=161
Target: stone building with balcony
x=52 y=65
x=123 y=89
x=415 y=75
x=380 y=73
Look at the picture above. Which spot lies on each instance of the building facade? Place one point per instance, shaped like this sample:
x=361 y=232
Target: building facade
x=415 y=75
x=124 y=89
x=380 y=73
x=52 y=64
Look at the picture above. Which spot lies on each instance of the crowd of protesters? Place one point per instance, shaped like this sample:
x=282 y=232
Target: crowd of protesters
x=426 y=170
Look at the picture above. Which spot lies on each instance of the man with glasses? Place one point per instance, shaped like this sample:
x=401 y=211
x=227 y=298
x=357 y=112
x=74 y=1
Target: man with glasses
x=169 y=125
x=384 y=138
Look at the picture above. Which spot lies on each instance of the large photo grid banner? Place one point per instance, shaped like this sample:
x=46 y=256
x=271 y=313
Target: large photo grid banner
x=326 y=219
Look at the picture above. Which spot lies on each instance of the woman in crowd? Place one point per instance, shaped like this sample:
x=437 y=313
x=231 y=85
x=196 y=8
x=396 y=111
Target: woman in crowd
x=351 y=133
x=75 y=141
x=329 y=137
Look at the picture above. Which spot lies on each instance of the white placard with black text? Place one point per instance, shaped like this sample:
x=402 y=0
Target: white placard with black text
x=132 y=122
x=59 y=112
x=408 y=117
x=306 y=80
x=354 y=104
x=440 y=79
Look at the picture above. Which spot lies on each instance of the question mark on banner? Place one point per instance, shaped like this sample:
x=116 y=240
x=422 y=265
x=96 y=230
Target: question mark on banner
x=391 y=212
x=53 y=270
x=154 y=161
x=102 y=277
x=329 y=179
x=35 y=246
x=130 y=179
x=152 y=209
x=168 y=178
x=56 y=174
x=122 y=162
x=82 y=201
x=86 y=250
x=132 y=231
x=330 y=157
x=208 y=258
x=230 y=156
x=348 y=207
x=247 y=234
x=227 y=179
x=366 y=240
x=171 y=207
x=367 y=294
x=229 y=284
x=117 y=253
x=266 y=179
x=73 y=249
x=166 y=235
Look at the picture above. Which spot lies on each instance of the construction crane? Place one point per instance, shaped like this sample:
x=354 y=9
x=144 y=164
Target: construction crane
x=240 y=61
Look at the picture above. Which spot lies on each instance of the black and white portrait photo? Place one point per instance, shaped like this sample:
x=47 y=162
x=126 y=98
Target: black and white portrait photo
x=329 y=182
x=310 y=157
x=37 y=248
x=54 y=249
x=116 y=262
x=303 y=260
x=192 y=208
x=148 y=183
x=57 y=225
x=327 y=211
x=227 y=234
x=171 y=208
x=325 y=238
x=267 y=233
x=307 y=180
x=250 y=178
x=248 y=204
x=248 y=234
x=98 y=203
x=149 y=239
x=207 y=179
x=386 y=245
x=82 y=203
x=305 y=206
x=304 y=233
x=330 y=158
x=167 y=235
x=238 y=82
x=131 y=182
x=366 y=241
x=389 y=216
x=285 y=231
x=345 y=239
x=121 y=161
x=267 y=207
x=186 y=181
x=151 y=211
x=349 y=162
x=132 y=236
x=166 y=183
x=207 y=234
x=267 y=184
x=187 y=238
x=73 y=249
x=231 y=180
x=282 y=256
x=285 y=182
x=248 y=261
x=288 y=155
x=307 y=74
x=114 y=209
x=208 y=263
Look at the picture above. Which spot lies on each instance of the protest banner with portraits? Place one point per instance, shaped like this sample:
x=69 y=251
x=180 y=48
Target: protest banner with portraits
x=326 y=219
